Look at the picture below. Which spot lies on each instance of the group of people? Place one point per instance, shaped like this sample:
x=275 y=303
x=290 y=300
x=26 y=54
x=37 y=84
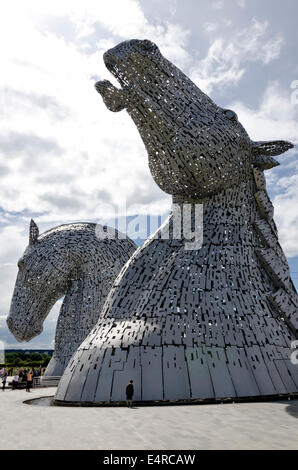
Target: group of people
x=24 y=375
x=20 y=376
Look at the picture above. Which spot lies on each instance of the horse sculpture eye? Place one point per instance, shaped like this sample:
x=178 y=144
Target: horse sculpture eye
x=21 y=265
x=231 y=115
x=145 y=45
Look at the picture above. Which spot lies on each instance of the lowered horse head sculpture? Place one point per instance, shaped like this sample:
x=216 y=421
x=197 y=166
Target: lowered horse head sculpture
x=215 y=321
x=74 y=261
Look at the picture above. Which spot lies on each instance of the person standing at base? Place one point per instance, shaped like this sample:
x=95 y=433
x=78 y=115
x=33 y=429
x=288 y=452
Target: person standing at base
x=29 y=381
x=4 y=378
x=129 y=393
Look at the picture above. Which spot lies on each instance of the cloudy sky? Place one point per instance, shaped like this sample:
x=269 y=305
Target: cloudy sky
x=64 y=157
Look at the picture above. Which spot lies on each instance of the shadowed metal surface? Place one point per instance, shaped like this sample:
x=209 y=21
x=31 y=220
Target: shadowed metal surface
x=72 y=261
x=212 y=322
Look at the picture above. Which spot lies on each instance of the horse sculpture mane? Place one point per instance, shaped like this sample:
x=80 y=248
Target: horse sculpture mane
x=71 y=260
x=214 y=321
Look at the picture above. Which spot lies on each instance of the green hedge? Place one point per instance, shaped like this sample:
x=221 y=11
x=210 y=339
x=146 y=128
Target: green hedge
x=25 y=360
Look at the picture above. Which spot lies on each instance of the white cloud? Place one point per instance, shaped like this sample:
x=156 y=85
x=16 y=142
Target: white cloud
x=12 y=240
x=12 y=245
x=275 y=118
x=226 y=59
x=217 y=5
x=241 y=3
x=57 y=132
x=209 y=27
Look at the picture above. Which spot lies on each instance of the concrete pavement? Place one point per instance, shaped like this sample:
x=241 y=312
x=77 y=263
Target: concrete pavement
x=266 y=425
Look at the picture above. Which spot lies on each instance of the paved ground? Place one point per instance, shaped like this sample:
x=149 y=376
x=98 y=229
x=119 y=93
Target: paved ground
x=267 y=425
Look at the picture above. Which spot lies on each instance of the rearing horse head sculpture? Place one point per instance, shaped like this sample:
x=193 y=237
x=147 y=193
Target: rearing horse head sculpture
x=195 y=147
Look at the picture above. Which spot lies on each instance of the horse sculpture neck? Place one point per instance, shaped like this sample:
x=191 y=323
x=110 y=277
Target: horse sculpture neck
x=93 y=266
x=88 y=286
x=239 y=229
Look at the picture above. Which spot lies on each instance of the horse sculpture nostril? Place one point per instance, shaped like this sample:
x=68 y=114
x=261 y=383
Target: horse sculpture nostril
x=109 y=59
x=9 y=323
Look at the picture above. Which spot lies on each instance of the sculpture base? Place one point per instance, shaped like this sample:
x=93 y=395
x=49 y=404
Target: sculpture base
x=176 y=373
x=200 y=401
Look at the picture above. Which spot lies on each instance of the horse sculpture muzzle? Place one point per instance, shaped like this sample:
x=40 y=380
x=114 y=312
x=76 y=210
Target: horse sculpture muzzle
x=35 y=309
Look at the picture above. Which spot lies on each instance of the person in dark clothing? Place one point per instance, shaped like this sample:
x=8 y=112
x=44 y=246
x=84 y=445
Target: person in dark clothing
x=29 y=381
x=4 y=378
x=129 y=393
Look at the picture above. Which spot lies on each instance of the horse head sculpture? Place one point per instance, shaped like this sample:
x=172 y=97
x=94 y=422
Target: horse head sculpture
x=42 y=280
x=72 y=261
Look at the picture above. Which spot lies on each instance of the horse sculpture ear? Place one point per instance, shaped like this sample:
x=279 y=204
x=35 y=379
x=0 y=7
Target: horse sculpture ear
x=265 y=150
x=33 y=232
